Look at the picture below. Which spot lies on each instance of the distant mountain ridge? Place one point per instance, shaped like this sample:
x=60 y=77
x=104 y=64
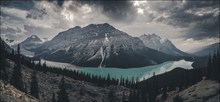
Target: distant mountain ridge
x=160 y=44
x=100 y=45
x=28 y=45
x=31 y=42
x=205 y=51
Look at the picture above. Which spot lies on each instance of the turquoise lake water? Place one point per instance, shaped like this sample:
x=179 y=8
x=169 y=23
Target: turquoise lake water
x=139 y=73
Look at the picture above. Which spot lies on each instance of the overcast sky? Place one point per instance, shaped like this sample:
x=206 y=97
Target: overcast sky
x=188 y=24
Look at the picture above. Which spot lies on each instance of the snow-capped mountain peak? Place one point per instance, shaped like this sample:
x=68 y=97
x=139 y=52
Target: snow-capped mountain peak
x=151 y=36
x=161 y=44
x=104 y=25
x=29 y=44
x=32 y=39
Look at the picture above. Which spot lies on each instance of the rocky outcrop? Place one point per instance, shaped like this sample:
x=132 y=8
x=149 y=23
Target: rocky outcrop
x=9 y=93
x=203 y=91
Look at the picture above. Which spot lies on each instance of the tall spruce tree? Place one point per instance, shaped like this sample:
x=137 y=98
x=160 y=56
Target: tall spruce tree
x=3 y=72
x=153 y=90
x=34 y=85
x=81 y=91
x=62 y=94
x=124 y=97
x=111 y=95
x=16 y=78
x=213 y=66
x=177 y=98
x=53 y=98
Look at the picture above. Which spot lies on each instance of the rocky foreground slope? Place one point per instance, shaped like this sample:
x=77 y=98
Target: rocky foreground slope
x=49 y=83
x=9 y=93
x=203 y=91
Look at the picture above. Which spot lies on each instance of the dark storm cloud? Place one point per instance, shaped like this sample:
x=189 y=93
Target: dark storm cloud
x=20 y=4
x=58 y=2
x=36 y=14
x=204 y=29
x=200 y=18
x=117 y=10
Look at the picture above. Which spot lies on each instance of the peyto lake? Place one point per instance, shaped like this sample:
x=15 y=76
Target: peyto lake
x=140 y=72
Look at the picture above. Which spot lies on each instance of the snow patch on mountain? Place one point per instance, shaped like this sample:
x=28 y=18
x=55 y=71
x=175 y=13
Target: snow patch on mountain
x=102 y=53
x=106 y=38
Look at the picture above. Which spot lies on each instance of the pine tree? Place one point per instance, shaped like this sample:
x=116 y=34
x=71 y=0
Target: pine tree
x=124 y=97
x=130 y=99
x=108 y=79
x=53 y=98
x=217 y=66
x=12 y=54
x=81 y=91
x=153 y=90
x=111 y=96
x=34 y=86
x=164 y=95
x=177 y=99
x=44 y=64
x=16 y=78
x=62 y=94
x=3 y=72
x=209 y=68
x=213 y=66
x=25 y=88
x=138 y=96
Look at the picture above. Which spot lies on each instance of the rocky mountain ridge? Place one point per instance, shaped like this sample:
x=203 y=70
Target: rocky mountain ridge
x=161 y=44
x=100 y=45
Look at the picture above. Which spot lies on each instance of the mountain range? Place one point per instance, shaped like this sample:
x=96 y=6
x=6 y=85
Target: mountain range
x=203 y=54
x=205 y=51
x=100 y=45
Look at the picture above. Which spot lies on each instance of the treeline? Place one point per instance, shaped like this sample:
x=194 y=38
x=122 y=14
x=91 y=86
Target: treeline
x=16 y=77
x=20 y=60
x=75 y=74
x=177 y=79
x=212 y=71
x=78 y=75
